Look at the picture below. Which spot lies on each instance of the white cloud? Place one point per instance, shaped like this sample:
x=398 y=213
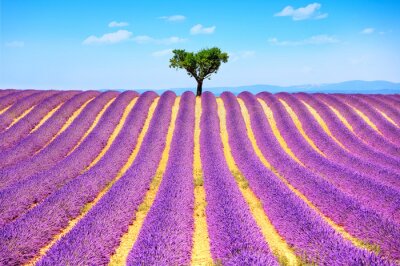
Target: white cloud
x=368 y=31
x=15 y=44
x=314 y=40
x=109 y=38
x=174 y=18
x=199 y=29
x=147 y=39
x=172 y=40
x=143 y=39
x=162 y=53
x=117 y=24
x=235 y=56
x=310 y=11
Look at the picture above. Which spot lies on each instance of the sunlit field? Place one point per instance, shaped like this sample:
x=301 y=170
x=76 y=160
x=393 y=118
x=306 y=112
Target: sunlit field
x=97 y=178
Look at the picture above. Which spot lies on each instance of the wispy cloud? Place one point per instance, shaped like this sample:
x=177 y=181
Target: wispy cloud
x=172 y=40
x=15 y=44
x=368 y=31
x=314 y=40
x=310 y=11
x=109 y=38
x=200 y=29
x=162 y=53
x=142 y=39
x=235 y=56
x=114 y=24
x=174 y=18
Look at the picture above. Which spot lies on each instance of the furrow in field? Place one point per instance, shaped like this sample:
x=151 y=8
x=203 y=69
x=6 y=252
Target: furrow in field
x=360 y=127
x=366 y=119
x=21 y=108
x=323 y=124
x=387 y=117
x=34 y=142
x=6 y=92
x=67 y=124
x=32 y=121
x=89 y=188
x=333 y=151
x=110 y=140
x=7 y=101
x=64 y=144
x=383 y=103
x=301 y=227
x=277 y=134
x=235 y=238
x=373 y=118
x=383 y=199
x=166 y=235
x=282 y=251
x=5 y=109
x=46 y=117
x=271 y=143
x=19 y=117
x=388 y=100
x=20 y=197
x=389 y=113
x=93 y=125
x=142 y=206
x=107 y=221
x=201 y=254
x=299 y=126
x=346 y=136
x=320 y=195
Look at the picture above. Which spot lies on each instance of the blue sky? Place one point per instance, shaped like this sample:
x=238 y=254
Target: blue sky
x=71 y=44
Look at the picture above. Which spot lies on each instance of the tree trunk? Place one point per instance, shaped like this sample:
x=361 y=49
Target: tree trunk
x=199 y=87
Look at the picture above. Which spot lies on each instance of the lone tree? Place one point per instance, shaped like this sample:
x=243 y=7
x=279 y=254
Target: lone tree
x=199 y=65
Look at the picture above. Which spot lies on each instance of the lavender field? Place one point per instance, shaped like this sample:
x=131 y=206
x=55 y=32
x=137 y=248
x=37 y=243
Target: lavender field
x=122 y=178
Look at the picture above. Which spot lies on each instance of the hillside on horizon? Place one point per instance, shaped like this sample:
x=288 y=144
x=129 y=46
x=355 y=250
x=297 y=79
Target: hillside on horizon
x=353 y=86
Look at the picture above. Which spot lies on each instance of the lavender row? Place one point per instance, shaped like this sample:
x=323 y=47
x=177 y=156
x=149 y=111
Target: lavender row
x=10 y=99
x=389 y=131
x=394 y=102
x=166 y=235
x=6 y=92
x=342 y=209
x=26 y=124
x=107 y=221
x=59 y=147
x=381 y=198
x=20 y=197
x=66 y=203
x=347 y=138
x=333 y=151
x=235 y=238
x=21 y=106
x=384 y=106
x=361 y=128
x=301 y=227
x=26 y=147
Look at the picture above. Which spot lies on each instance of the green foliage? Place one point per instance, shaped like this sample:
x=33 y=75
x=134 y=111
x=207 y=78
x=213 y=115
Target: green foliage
x=200 y=65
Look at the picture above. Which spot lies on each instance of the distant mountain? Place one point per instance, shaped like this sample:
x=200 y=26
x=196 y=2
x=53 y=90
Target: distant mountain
x=354 y=86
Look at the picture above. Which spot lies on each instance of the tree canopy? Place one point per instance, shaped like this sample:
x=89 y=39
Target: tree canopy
x=200 y=65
